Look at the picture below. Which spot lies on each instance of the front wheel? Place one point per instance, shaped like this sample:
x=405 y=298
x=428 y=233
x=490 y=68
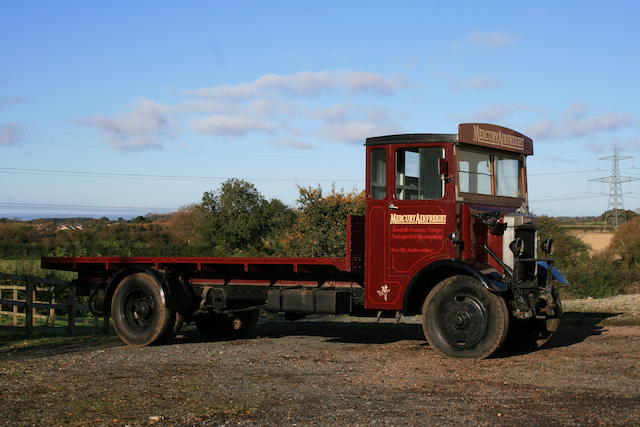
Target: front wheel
x=138 y=311
x=533 y=333
x=462 y=318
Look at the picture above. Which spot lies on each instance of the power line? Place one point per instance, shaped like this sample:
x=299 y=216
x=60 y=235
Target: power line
x=85 y=208
x=562 y=173
x=566 y=197
x=56 y=172
x=200 y=153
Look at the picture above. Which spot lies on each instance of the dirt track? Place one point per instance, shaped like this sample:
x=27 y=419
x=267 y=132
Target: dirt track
x=328 y=373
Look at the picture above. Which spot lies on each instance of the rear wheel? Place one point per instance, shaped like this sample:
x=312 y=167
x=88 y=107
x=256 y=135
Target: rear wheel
x=174 y=325
x=462 y=318
x=227 y=326
x=138 y=311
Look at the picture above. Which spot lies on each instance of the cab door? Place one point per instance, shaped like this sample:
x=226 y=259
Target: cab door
x=408 y=228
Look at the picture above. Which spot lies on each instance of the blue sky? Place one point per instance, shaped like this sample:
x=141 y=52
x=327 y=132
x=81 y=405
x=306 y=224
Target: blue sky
x=125 y=107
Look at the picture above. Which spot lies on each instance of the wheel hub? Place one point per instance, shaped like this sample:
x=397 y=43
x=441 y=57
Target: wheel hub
x=463 y=320
x=138 y=311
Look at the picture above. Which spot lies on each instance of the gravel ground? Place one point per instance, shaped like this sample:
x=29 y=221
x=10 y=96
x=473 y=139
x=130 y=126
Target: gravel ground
x=327 y=372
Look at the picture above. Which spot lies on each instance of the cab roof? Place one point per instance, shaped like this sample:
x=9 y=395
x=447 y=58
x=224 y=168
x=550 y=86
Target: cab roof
x=412 y=138
x=481 y=134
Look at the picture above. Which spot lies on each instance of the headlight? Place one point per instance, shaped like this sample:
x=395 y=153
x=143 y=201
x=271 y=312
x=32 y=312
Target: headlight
x=547 y=246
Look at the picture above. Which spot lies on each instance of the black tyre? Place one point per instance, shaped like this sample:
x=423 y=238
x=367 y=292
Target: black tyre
x=462 y=318
x=532 y=334
x=227 y=326
x=139 y=314
x=174 y=325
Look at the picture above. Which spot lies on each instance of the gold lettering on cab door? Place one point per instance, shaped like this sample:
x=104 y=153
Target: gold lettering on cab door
x=418 y=219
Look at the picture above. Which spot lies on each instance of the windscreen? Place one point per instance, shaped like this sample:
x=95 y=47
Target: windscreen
x=488 y=174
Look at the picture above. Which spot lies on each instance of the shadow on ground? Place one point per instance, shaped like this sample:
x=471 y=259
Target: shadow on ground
x=576 y=327
x=340 y=332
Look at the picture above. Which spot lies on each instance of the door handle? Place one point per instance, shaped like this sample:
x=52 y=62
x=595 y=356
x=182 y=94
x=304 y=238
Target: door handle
x=393 y=207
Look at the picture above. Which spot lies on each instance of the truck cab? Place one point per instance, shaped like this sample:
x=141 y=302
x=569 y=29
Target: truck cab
x=445 y=205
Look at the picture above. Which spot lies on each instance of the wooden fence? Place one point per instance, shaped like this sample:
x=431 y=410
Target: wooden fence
x=25 y=304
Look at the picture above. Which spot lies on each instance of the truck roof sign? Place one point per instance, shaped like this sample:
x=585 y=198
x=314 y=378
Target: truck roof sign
x=494 y=136
x=482 y=134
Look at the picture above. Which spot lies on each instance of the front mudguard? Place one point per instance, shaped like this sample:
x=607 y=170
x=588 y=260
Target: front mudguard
x=556 y=275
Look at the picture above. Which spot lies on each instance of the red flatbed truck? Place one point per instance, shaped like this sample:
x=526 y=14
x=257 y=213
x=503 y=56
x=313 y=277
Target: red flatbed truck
x=446 y=234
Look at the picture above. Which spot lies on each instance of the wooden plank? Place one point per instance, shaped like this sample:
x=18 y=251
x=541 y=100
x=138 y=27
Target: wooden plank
x=51 y=321
x=14 y=321
x=71 y=292
x=35 y=315
x=41 y=305
x=28 y=309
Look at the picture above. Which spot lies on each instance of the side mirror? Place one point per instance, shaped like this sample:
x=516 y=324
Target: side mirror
x=443 y=167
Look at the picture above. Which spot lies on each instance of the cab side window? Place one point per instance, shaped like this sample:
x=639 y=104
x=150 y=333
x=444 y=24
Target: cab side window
x=378 y=170
x=417 y=175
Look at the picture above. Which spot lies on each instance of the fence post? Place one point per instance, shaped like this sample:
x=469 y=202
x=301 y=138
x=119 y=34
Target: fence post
x=72 y=309
x=28 y=307
x=14 y=321
x=51 y=321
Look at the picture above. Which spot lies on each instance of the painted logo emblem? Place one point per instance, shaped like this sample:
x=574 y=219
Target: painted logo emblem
x=384 y=291
x=418 y=219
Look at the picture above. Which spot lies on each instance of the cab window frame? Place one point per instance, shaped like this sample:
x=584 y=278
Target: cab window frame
x=418 y=185
x=493 y=156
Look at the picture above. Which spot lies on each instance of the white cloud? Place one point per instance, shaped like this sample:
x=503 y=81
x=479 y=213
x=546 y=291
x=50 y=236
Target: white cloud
x=222 y=125
x=493 y=39
x=282 y=105
x=290 y=143
x=355 y=131
x=307 y=83
x=496 y=112
x=576 y=123
x=11 y=133
x=477 y=83
x=353 y=123
x=541 y=129
x=147 y=125
x=623 y=145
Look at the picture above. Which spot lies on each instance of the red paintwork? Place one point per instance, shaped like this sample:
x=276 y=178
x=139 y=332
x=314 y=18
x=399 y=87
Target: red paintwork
x=195 y=264
x=395 y=253
x=393 y=249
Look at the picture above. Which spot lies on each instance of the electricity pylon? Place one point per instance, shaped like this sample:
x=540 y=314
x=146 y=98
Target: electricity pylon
x=615 y=214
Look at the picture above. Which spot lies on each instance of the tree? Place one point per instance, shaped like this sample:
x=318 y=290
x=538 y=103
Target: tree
x=320 y=226
x=569 y=249
x=625 y=243
x=238 y=220
x=184 y=224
